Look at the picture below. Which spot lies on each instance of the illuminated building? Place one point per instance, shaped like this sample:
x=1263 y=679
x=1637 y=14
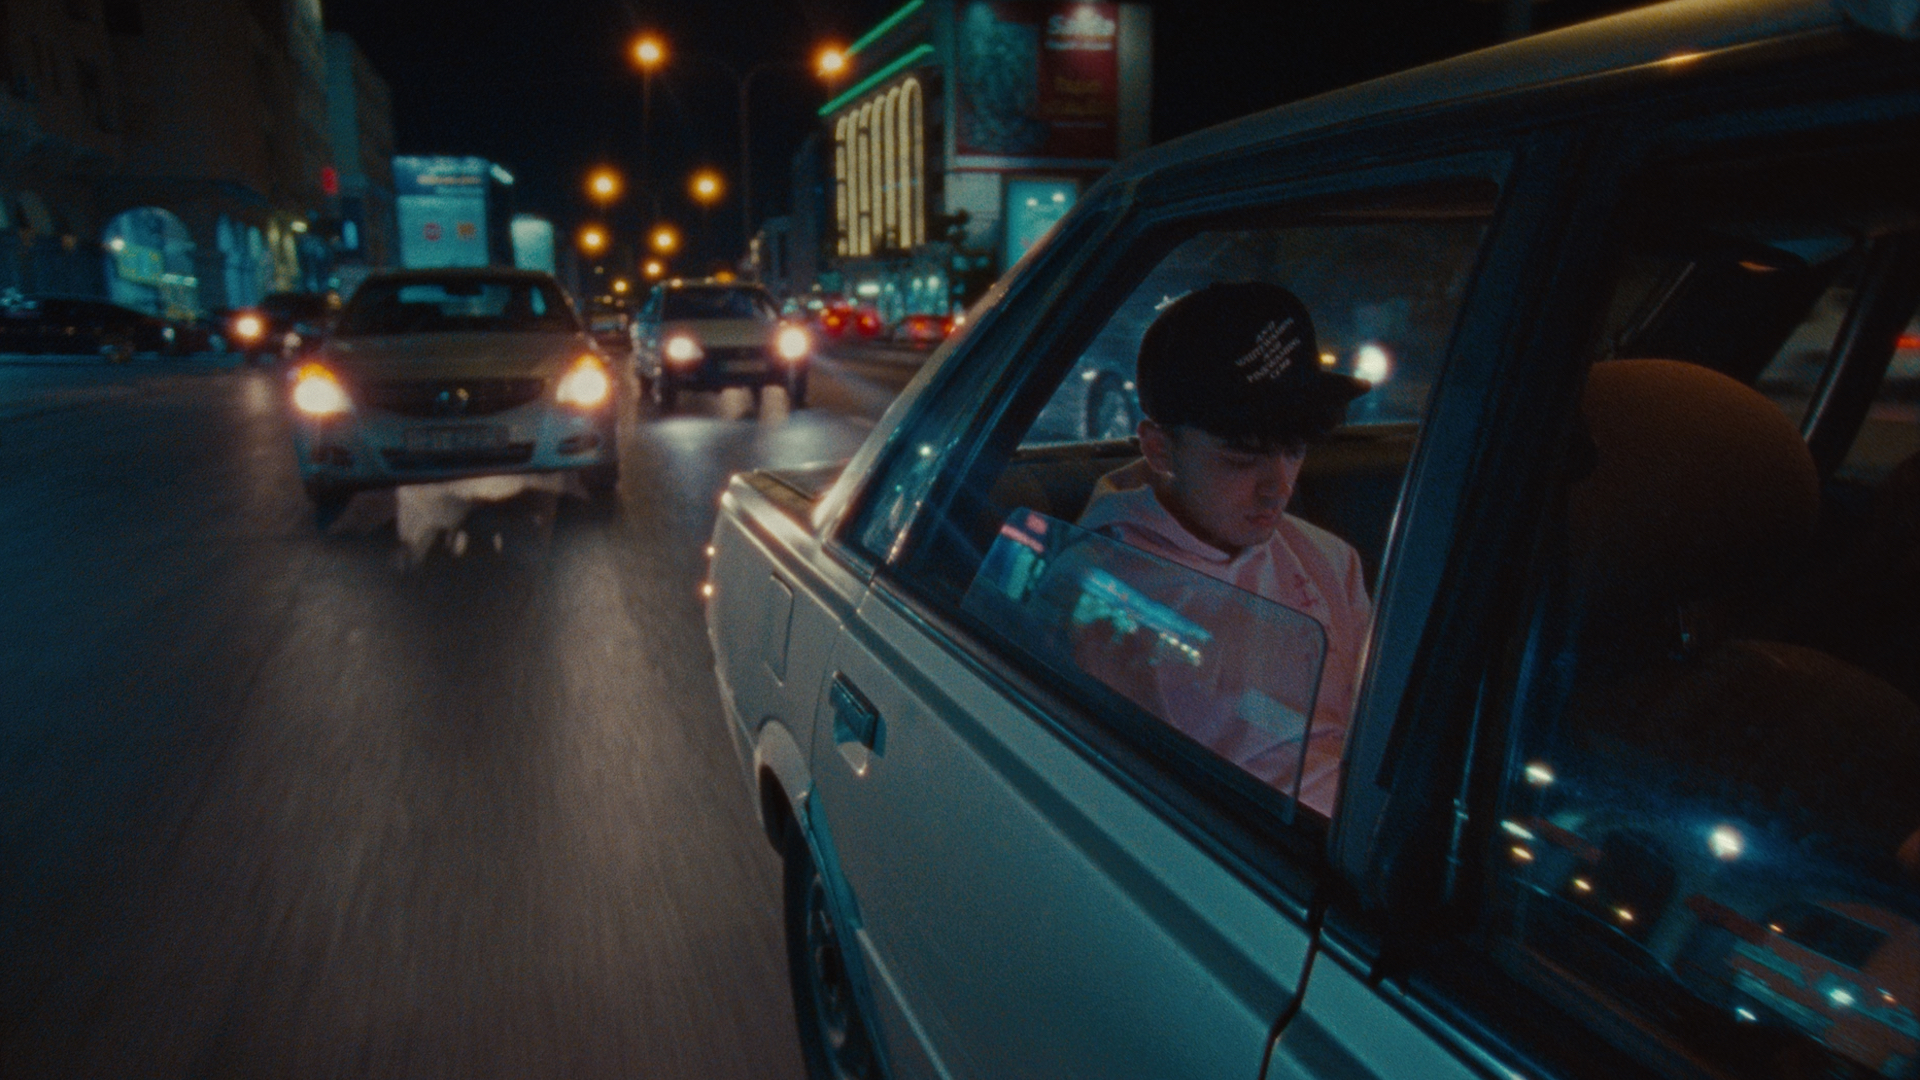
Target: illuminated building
x=962 y=129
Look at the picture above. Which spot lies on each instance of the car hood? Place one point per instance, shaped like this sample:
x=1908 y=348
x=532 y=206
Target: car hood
x=722 y=332
x=456 y=356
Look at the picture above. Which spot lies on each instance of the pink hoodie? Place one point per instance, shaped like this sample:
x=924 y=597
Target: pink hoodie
x=1302 y=567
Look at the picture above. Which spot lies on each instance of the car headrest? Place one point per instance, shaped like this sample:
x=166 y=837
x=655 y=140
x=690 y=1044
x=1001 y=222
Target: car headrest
x=1700 y=484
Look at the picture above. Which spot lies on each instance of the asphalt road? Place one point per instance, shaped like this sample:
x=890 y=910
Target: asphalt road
x=441 y=792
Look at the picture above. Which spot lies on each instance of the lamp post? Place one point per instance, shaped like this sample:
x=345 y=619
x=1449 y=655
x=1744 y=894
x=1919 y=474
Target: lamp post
x=649 y=52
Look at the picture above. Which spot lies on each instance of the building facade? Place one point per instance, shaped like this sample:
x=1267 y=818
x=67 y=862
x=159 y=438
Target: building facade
x=173 y=155
x=966 y=128
x=360 y=125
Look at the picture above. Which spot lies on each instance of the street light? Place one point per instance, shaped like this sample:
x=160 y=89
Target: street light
x=706 y=187
x=649 y=52
x=654 y=269
x=603 y=185
x=665 y=238
x=593 y=240
x=830 y=63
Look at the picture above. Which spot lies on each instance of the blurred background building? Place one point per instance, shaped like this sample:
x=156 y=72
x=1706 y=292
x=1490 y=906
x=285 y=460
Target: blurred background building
x=959 y=132
x=183 y=156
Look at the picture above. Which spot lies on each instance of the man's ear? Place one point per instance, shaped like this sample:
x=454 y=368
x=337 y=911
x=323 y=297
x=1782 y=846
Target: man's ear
x=1156 y=445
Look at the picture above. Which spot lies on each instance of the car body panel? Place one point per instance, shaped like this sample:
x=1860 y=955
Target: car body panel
x=1021 y=910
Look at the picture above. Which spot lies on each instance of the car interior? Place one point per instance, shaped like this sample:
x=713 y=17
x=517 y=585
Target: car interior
x=1720 y=675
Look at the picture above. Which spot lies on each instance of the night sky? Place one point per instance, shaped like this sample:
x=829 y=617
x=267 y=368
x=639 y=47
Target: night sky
x=546 y=90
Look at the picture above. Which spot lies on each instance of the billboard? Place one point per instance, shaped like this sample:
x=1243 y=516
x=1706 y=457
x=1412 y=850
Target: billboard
x=1033 y=206
x=1039 y=83
x=442 y=207
x=532 y=242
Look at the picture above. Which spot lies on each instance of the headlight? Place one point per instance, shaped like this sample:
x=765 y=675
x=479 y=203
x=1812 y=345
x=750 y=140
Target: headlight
x=586 y=384
x=791 y=343
x=318 y=393
x=249 y=328
x=682 y=348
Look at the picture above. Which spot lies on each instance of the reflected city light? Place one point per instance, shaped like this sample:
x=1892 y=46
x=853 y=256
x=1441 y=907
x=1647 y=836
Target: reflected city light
x=1520 y=854
x=1726 y=843
x=1516 y=829
x=1582 y=885
x=1539 y=774
x=1371 y=362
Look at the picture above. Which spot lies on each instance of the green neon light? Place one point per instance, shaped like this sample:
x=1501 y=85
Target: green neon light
x=875 y=79
x=886 y=24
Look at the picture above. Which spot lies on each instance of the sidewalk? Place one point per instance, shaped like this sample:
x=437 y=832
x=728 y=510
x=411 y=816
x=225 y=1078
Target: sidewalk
x=874 y=352
x=31 y=385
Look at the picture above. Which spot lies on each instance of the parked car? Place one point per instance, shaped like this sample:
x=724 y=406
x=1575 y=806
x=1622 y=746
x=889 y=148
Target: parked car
x=709 y=335
x=441 y=374
x=283 y=325
x=1627 y=785
x=839 y=317
x=921 y=330
x=82 y=325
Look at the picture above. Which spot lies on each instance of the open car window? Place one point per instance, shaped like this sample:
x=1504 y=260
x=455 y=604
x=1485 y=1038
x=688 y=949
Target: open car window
x=1233 y=672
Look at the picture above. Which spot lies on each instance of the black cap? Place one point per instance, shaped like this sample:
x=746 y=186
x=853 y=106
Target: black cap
x=1239 y=361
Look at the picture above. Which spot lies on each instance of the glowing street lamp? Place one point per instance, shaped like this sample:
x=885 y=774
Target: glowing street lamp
x=706 y=187
x=649 y=52
x=665 y=238
x=830 y=63
x=593 y=240
x=620 y=286
x=603 y=185
x=654 y=269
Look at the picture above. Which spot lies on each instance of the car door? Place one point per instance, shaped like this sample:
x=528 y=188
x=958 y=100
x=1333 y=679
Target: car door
x=1656 y=784
x=1043 y=878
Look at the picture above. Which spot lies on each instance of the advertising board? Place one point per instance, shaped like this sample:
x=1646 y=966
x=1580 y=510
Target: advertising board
x=441 y=203
x=1039 y=83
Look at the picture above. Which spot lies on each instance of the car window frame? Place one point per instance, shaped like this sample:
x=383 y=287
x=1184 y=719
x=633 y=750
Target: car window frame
x=1287 y=864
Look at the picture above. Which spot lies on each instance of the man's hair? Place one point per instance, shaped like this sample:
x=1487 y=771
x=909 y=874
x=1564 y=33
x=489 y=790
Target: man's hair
x=1239 y=362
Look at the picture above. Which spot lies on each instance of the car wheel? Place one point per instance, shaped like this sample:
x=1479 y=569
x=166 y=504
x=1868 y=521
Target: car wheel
x=833 y=1038
x=797 y=390
x=1110 y=411
x=329 y=502
x=601 y=480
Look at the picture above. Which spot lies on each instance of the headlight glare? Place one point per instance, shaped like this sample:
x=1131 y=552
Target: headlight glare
x=791 y=343
x=586 y=384
x=682 y=348
x=249 y=328
x=317 y=393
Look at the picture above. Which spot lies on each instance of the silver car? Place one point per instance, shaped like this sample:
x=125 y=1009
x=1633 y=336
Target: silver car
x=442 y=374
x=1625 y=756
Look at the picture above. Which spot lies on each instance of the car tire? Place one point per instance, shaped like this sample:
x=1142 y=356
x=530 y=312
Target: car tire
x=797 y=391
x=329 y=501
x=601 y=480
x=1110 y=413
x=833 y=1037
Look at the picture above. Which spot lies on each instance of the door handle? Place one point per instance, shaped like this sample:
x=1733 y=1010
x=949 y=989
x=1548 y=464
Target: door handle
x=855 y=720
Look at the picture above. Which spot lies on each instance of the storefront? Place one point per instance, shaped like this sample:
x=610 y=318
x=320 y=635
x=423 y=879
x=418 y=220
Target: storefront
x=966 y=129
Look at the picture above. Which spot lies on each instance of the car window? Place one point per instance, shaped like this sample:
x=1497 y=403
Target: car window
x=720 y=304
x=1709 y=828
x=455 y=305
x=1232 y=671
x=1388 y=283
x=1383 y=297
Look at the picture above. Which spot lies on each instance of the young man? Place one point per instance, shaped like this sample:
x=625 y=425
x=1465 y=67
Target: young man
x=1232 y=389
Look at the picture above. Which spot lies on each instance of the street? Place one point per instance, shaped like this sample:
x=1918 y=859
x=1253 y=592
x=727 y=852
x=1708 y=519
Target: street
x=441 y=791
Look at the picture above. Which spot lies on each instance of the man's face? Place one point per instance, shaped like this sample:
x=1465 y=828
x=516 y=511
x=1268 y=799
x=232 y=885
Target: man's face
x=1228 y=497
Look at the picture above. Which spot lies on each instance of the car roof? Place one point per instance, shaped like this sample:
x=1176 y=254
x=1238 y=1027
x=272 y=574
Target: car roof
x=1660 y=33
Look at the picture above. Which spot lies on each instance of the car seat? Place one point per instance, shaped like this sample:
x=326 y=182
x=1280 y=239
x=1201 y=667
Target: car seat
x=1703 y=494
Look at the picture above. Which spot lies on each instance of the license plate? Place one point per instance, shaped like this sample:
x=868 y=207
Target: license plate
x=444 y=440
x=744 y=367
